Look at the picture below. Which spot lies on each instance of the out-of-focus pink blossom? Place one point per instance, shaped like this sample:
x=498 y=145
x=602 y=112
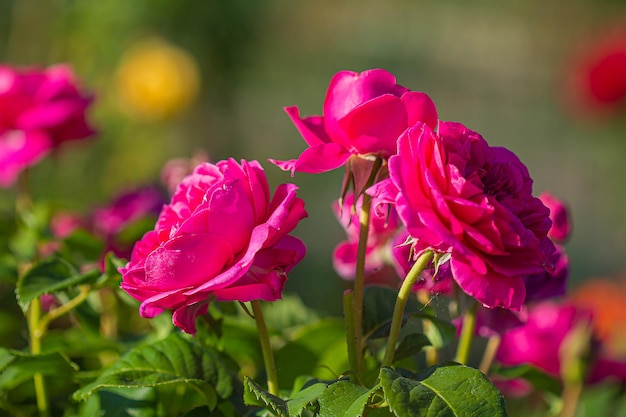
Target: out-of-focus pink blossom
x=597 y=74
x=456 y=194
x=176 y=169
x=559 y=214
x=540 y=340
x=221 y=238
x=382 y=227
x=39 y=110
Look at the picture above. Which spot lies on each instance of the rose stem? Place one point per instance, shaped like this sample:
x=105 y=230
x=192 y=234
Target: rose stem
x=35 y=348
x=266 y=348
x=490 y=353
x=432 y=356
x=23 y=203
x=403 y=297
x=359 y=279
x=467 y=334
x=350 y=339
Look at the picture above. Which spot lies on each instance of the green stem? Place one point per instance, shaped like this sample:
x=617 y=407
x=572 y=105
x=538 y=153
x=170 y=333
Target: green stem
x=64 y=309
x=266 y=348
x=35 y=348
x=403 y=297
x=467 y=334
x=350 y=339
x=359 y=279
x=490 y=353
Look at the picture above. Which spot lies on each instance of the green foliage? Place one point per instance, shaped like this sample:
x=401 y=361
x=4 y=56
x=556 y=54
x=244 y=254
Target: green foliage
x=345 y=399
x=448 y=389
x=173 y=360
x=18 y=367
x=49 y=276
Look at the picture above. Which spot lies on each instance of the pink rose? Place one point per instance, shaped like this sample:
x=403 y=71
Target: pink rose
x=221 y=238
x=457 y=194
x=364 y=113
x=559 y=214
x=539 y=341
x=38 y=111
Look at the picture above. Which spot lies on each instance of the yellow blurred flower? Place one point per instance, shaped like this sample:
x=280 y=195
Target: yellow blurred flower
x=156 y=80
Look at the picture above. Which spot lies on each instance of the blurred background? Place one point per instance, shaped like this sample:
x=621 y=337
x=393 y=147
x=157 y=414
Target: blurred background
x=174 y=78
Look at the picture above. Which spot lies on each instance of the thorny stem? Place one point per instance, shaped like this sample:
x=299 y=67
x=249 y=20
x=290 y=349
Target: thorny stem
x=64 y=309
x=467 y=334
x=403 y=297
x=359 y=280
x=266 y=348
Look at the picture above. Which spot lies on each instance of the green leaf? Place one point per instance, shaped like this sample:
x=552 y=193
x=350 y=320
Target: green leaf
x=294 y=407
x=175 y=359
x=308 y=396
x=318 y=349
x=537 y=378
x=17 y=367
x=441 y=333
x=128 y=402
x=410 y=345
x=255 y=395
x=379 y=303
x=345 y=399
x=49 y=276
x=447 y=389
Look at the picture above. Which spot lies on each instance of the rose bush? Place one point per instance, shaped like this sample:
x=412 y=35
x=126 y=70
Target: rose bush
x=221 y=238
x=457 y=194
x=39 y=109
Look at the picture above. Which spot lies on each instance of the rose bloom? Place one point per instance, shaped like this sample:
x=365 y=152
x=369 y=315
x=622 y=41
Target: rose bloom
x=221 y=238
x=39 y=109
x=363 y=115
x=457 y=194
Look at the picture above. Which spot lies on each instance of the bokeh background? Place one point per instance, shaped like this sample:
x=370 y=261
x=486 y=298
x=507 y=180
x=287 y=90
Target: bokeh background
x=172 y=78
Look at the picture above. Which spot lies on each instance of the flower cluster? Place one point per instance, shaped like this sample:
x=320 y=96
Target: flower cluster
x=39 y=110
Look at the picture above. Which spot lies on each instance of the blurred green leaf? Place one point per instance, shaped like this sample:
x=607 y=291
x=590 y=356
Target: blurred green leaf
x=440 y=333
x=318 y=349
x=81 y=247
x=49 y=276
x=345 y=399
x=379 y=303
x=537 y=378
x=410 y=345
x=175 y=359
x=17 y=367
x=447 y=389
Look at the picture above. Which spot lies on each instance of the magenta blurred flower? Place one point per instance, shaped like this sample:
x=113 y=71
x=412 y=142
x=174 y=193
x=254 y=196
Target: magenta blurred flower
x=559 y=214
x=221 y=238
x=539 y=341
x=364 y=113
x=457 y=194
x=383 y=225
x=596 y=75
x=127 y=209
x=39 y=110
